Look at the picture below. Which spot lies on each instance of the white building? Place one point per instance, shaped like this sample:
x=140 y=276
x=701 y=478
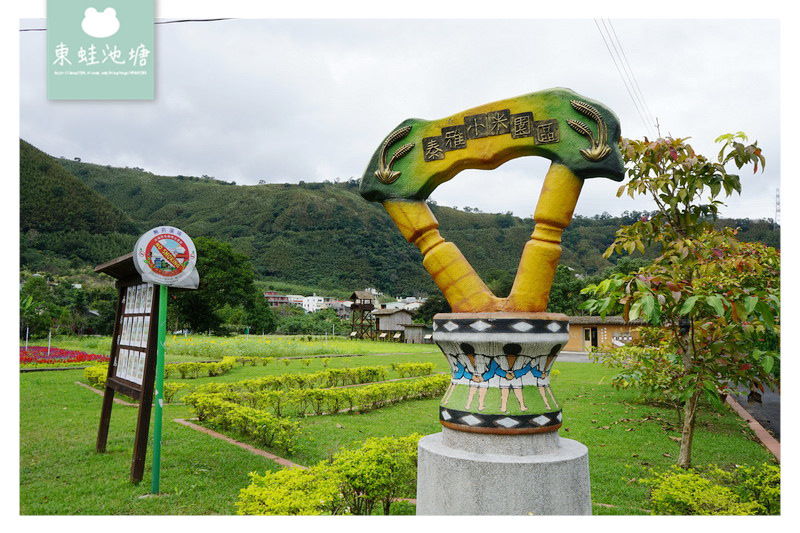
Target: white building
x=314 y=303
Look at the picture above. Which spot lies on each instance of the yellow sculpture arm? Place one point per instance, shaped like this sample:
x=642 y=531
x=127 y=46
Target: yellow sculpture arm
x=455 y=277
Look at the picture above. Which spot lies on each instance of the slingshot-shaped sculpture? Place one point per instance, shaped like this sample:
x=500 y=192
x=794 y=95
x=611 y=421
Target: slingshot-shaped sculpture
x=497 y=345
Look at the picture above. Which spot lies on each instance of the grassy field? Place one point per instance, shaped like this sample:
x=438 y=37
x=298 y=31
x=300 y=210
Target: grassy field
x=181 y=348
x=61 y=474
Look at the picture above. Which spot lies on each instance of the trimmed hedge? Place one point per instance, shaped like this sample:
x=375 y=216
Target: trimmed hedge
x=265 y=428
x=354 y=481
x=195 y=370
x=412 y=370
x=713 y=491
x=302 y=402
x=96 y=376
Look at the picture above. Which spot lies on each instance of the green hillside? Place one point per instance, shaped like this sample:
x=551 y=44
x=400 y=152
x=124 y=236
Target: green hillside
x=312 y=234
x=63 y=217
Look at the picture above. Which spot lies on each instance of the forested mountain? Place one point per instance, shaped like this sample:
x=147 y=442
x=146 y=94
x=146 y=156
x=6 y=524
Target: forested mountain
x=63 y=218
x=318 y=234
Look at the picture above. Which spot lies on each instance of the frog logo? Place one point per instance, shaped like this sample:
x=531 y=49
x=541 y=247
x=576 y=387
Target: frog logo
x=100 y=24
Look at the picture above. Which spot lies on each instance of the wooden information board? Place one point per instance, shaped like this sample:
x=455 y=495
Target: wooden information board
x=132 y=365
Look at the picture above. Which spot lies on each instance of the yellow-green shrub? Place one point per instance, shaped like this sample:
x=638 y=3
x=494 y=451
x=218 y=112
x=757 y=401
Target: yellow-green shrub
x=194 y=369
x=302 y=401
x=96 y=375
x=292 y=491
x=378 y=471
x=713 y=491
x=357 y=479
x=171 y=388
x=266 y=428
x=413 y=369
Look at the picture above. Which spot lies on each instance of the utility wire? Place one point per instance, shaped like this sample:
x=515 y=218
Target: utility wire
x=649 y=113
x=624 y=81
x=157 y=22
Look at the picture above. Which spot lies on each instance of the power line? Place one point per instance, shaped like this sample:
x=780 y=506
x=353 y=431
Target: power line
x=624 y=80
x=181 y=21
x=633 y=76
x=623 y=75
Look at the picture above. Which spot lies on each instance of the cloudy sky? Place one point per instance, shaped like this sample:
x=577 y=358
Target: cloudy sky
x=284 y=100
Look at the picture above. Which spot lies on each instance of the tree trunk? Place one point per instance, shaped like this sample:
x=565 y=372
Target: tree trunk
x=687 y=432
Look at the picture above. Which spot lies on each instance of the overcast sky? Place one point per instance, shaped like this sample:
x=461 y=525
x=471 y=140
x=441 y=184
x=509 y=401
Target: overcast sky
x=288 y=100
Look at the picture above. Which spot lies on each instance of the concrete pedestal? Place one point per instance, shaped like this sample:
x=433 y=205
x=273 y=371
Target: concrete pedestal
x=461 y=473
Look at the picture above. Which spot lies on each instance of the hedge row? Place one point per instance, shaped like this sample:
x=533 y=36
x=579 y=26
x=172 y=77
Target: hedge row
x=301 y=402
x=194 y=370
x=265 y=428
x=332 y=377
x=413 y=370
x=96 y=376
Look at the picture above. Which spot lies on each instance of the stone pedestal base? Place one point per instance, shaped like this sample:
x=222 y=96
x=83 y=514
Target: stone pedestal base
x=462 y=473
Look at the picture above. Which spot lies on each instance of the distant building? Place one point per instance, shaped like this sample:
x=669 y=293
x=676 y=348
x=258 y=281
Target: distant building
x=389 y=323
x=314 y=303
x=586 y=332
x=295 y=299
x=418 y=334
x=275 y=300
x=375 y=292
x=342 y=307
x=413 y=306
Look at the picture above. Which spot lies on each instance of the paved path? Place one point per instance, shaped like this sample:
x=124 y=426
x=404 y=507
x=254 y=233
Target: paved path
x=767 y=413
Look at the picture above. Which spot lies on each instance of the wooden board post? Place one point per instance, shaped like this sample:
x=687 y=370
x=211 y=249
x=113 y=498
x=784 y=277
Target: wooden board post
x=132 y=362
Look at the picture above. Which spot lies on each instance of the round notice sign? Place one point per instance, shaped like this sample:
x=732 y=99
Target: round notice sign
x=166 y=255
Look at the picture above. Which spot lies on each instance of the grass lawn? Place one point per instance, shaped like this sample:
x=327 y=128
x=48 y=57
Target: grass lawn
x=61 y=474
x=204 y=348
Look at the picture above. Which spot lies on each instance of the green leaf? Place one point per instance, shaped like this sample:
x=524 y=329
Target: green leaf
x=648 y=306
x=750 y=303
x=716 y=303
x=712 y=395
x=766 y=314
x=688 y=305
x=635 y=311
x=767 y=363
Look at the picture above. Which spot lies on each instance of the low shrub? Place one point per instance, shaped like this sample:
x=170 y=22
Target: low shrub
x=713 y=491
x=260 y=425
x=292 y=491
x=96 y=375
x=413 y=369
x=171 y=388
x=355 y=481
x=378 y=471
x=332 y=377
x=194 y=370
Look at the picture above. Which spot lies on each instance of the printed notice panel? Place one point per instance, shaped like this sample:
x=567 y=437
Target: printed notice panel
x=134 y=332
x=100 y=50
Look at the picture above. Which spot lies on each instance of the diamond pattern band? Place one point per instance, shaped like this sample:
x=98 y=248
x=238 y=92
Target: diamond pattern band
x=485 y=423
x=501 y=326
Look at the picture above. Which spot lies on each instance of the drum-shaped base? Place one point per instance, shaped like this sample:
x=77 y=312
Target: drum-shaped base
x=500 y=371
x=535 y=474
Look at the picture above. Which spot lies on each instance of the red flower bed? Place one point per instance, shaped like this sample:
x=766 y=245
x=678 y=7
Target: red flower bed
x=39 y=355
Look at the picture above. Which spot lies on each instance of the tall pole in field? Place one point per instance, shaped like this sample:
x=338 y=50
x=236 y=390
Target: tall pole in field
x=166 y=257
x=159 y=389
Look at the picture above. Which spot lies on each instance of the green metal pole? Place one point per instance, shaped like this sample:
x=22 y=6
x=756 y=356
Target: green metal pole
x=159 y=392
